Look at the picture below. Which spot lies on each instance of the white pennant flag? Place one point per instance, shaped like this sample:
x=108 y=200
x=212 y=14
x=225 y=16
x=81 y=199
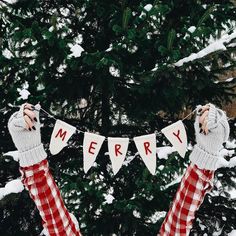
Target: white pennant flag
x=60 y=135
x=117 y=148
x=91 y=146
x=176 y=134
x=146 y=146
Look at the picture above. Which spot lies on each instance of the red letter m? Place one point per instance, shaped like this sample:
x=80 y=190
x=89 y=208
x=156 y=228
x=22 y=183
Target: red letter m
x=62 y=135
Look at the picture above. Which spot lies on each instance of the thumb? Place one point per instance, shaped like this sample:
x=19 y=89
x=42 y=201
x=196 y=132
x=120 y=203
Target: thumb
x=15 y=123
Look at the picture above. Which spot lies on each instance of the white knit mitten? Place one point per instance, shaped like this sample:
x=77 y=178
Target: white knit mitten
x=27 y=142
x=205 y=153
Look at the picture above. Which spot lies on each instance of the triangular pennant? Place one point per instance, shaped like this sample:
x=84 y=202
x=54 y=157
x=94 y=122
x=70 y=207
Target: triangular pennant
x=91 y=146
x=176 y=134
x=146 y=146
x=117 y=148
x=60 y=135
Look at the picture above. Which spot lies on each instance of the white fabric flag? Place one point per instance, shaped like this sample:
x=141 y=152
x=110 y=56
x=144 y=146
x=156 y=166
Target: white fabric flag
x=60 y=135
x=146 y=146
x=117 y=148
x=176 y=134
x=91 y=146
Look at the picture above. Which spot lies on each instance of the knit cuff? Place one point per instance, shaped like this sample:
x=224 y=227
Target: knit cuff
x=32 y=156
x=203 y=159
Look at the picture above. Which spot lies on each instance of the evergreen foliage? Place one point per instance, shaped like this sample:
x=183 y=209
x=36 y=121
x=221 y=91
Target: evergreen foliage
x=123 y=42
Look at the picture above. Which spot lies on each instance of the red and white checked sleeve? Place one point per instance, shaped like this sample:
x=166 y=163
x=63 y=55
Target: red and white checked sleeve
x=43 y=190
x=190 y=195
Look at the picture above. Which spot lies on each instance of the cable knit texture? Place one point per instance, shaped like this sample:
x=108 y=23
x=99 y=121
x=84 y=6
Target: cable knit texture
x=28 y=143
x=206 y=152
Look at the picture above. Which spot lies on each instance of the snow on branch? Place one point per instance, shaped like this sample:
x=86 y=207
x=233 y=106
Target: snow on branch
x=14 y=186
x=213 y=47
x=13 y=154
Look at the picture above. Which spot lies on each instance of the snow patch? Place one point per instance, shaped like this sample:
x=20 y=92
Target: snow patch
x=83 y=103
x=129 y=159
x=156 y=216
x=110 y=48
x=11 y=1
x=108 y=198
x=148 y=7
x=225 y=152
x=231 y=144
x=64 y=103
x=40 y=87
x=23 y=92
x=13 y=154
x=232 y=233
x=191 y=29
x=76 y=50
x=215 y=46
x=7 y=54
x=14 y=186
x=114 y=71
x=229 y=79
x=175 y=181
x=163 y=152
x=136 y=214
x=232 y=162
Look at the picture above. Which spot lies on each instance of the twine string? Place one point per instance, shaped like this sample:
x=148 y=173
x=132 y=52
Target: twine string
x=130 y=139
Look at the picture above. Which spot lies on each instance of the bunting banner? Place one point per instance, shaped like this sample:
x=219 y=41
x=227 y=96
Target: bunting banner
x=91 y=146
x=146 y=146
x=176 y=134
x=60 y=135
x=117 y=148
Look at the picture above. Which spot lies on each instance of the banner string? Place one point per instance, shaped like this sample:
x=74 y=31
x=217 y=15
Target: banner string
x=130 y=139
x=51 y=116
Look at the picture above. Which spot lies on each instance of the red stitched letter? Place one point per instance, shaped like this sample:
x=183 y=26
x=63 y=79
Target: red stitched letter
x=146 y=147
x=92 y=147
x=177 y=135
x=117 y=149
x=62 y=135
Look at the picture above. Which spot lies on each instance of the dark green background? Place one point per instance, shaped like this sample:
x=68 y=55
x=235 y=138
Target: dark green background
x=150 y=100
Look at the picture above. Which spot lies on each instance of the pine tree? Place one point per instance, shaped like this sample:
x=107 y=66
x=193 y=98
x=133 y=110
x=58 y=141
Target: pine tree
x=124 y=83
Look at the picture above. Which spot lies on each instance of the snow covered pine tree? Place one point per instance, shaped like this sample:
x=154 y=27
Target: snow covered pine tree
x=211 y=130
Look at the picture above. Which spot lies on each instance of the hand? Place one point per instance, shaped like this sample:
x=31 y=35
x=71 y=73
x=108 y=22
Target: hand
x=211 y=130
x=24 y=127
x=29 y=116
x=203 y=119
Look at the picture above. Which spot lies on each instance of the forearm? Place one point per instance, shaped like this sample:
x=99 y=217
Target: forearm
x=190 y=195
x=43 y=190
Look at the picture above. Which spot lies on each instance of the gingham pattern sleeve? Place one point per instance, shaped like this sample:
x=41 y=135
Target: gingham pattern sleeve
x=190 y=195
x=43 y=190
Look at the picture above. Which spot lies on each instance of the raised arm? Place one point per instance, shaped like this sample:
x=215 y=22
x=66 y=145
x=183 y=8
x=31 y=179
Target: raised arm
x=211 y=129
x=24 y=127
